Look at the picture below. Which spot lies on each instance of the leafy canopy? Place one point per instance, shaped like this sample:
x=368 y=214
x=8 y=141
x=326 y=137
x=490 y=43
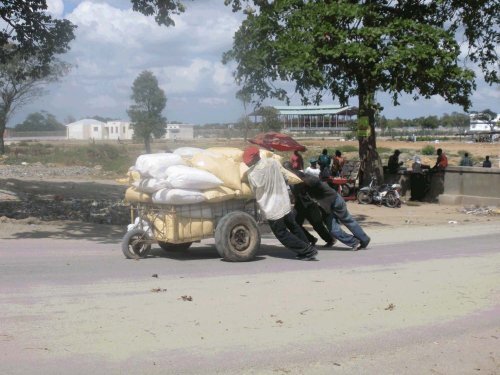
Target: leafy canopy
x=146 y=112
x=40 y=121
x=349 y=49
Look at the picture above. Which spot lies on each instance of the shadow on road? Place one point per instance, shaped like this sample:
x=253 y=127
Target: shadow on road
x=100 y=233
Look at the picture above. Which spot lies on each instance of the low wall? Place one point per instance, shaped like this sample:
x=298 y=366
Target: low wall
x=471 y=186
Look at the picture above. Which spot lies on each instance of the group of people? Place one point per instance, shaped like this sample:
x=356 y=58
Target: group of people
x=315 y=201
x=322 y=167
x=394 y=164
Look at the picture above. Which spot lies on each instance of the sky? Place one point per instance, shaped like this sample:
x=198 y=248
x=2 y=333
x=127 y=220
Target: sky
x=113 y=45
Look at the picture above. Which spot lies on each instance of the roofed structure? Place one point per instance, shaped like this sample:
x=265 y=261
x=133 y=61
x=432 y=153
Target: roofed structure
x=316 y=118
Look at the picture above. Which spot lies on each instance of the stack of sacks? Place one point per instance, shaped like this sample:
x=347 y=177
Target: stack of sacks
x=191 y=175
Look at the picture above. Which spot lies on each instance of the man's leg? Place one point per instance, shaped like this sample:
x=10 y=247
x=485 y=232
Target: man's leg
x=338 y=233
x=315 y=218
x=299 y=218
x=297 y=245
x=340 y=211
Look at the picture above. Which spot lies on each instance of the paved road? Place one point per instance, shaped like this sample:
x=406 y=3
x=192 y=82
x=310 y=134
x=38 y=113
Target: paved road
x=405 y=306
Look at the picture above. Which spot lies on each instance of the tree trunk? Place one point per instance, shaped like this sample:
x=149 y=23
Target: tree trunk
x=147 y=144
x=368 y=155
x=3 y=123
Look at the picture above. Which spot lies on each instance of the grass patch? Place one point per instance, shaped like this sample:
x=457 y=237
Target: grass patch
x=428 y=150
x=114 y=158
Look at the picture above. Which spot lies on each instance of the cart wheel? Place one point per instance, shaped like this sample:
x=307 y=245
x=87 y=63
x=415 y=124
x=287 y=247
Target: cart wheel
x=345 y=191
x=167 y=246
x=364 y=197
x=237 y=237
x=391 y=200
x=136 y=244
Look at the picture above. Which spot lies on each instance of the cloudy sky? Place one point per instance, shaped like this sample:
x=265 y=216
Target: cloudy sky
x=114 y=45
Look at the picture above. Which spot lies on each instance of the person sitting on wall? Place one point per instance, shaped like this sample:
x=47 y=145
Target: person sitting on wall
x=313 y=169
x=466 y=161
x=487 y=162
x=393 y=164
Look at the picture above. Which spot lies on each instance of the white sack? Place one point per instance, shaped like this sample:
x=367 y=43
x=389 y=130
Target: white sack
x=140 y=224
x=155 y=165
x=183 y=177
x=178 y=196
x=187 y=152
x=150 y=185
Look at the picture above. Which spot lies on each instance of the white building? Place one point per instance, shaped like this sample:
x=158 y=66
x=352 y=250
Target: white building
x=479 y=125
x=93 y=129
x=179 y=131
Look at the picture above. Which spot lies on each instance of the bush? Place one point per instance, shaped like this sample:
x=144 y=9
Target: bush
x=428 y=150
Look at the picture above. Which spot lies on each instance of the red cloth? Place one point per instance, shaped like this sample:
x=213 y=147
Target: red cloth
x=251 y=155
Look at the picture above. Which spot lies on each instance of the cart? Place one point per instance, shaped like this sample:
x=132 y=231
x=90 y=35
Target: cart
x=233 y=224
x=345 y=184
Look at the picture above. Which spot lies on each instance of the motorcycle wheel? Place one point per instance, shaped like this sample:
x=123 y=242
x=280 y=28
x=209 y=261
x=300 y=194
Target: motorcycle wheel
x=364 y=197
x=391 y=200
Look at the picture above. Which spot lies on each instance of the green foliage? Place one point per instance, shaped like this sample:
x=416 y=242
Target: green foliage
x=384 y=150
x=40 y=121
x=270 y=119
x=146 y=113
x=428 y=150
x=27 y=29
x=345 y=148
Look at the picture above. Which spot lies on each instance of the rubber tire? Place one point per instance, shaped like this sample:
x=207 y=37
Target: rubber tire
x=345 y=191
x=391 y=200
x=237 y=237
x=364 y=197
x=135 y=252
x=167 y=246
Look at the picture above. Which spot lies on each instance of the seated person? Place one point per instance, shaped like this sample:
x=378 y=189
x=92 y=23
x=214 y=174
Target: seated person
x=313 y=169
x=394 y=163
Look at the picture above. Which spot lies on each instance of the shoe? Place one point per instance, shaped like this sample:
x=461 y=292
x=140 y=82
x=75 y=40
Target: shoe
x=356 y=245
x=329 y=244
x=364 y=244
x=310 y=255
x=313 y=242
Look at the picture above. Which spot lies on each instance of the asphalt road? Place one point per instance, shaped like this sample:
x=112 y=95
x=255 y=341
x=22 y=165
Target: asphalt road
x=417 y=306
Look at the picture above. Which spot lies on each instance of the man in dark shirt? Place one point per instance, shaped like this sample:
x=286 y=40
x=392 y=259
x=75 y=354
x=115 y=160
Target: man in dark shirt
x=487 y=162
x=334 y=205
x=394 y=163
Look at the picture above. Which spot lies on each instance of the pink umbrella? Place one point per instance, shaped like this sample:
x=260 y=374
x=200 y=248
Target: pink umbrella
x=277 y=141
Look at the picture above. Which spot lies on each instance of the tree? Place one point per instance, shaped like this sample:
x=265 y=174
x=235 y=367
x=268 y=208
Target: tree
x=30 y=40
x=356 y=49
x=22 y=82
x=27 y=28
x=40 y=121
x=145 y=114
x=270 y=119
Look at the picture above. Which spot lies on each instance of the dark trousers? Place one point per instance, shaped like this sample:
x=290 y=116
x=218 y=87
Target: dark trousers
x=314 y=216
x=289 y=233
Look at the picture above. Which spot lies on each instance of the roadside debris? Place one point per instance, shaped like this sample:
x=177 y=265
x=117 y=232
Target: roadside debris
x=476 y=210
x=186 y=298
x=158 y=290
x=390 y=307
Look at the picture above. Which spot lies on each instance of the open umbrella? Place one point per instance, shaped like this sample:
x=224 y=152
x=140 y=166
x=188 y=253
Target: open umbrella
x=277 y=141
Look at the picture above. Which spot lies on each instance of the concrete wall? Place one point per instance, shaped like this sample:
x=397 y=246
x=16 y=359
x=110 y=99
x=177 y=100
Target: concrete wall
x=471 y=185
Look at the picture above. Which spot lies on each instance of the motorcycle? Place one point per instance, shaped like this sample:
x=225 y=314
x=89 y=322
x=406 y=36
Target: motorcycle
x=387 y=194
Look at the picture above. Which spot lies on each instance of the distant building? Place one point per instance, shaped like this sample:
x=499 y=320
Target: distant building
x=179 y=131
x=478 y=124
x=93 y=129
x=315 y=118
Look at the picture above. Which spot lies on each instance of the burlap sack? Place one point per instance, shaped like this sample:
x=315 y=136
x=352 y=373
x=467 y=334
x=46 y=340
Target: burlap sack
x=224 y=168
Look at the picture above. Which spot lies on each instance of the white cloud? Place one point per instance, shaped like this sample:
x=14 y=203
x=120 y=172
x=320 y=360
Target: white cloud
x=55 y=8
x=213 y=101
